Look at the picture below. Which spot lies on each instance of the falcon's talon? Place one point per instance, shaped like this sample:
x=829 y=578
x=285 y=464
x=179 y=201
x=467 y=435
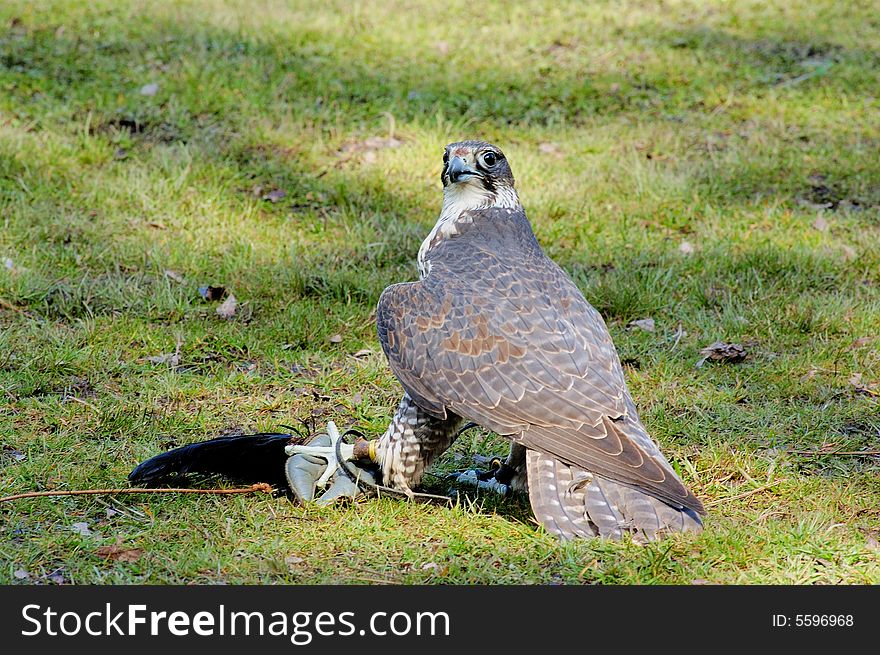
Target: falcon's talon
x=481 y=480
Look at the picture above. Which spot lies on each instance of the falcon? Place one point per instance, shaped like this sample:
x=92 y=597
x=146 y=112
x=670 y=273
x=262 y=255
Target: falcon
x=497 y=334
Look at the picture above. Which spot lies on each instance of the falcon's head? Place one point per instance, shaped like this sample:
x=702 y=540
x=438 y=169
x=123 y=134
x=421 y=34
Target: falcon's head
x=476 y=175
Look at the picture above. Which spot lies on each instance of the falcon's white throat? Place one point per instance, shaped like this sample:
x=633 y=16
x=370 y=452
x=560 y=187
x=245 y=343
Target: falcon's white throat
x=458 y=198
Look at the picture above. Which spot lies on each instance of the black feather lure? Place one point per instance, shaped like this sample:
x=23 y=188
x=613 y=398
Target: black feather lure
x=246 y=458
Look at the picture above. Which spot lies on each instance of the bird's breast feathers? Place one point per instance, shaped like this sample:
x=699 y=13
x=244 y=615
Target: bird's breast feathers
x=458 y=202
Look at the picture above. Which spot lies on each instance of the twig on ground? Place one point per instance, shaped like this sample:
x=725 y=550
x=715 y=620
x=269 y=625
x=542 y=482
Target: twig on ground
x=254 y=488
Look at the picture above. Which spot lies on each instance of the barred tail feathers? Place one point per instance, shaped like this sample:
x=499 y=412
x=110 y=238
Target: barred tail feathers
x=571 y=502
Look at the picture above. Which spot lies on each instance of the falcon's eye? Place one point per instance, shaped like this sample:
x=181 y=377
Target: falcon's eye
x=490 y=159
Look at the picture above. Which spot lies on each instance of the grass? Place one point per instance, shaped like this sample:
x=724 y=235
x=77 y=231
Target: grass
x=713 y=166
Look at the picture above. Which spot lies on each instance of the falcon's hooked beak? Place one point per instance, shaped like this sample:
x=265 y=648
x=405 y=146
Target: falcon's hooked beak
x=458 y=169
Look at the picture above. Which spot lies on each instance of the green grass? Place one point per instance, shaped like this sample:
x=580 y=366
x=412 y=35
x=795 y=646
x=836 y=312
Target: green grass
x=749 y=130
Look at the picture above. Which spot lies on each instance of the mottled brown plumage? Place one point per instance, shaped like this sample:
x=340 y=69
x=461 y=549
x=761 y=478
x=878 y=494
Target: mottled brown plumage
x=497 y=333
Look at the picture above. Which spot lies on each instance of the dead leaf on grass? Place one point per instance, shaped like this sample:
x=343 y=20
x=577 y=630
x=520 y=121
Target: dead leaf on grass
x=149 y=89
x=336 y=338
x=368 y=148
x=813 y=372
x=228 y=308
x=865 y=388
x=119 y=554
x=172 y=359
x=14 y=454
x=861 y=342
x=82 y=528
x=275 y=195
x=549 y=148
x=728 y=353
x=173 y=275
x=435 y=568
x=57 y=577
x=646 y=324
x=686 y=248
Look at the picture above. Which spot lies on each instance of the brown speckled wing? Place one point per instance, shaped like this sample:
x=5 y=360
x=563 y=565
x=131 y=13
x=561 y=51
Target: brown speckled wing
x=511 y=343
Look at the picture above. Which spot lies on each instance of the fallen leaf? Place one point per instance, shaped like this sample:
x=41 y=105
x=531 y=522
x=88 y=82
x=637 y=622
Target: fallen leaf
x=809 y=375
x=549 y=148
x=275 y=195
x=173 y=275
x=57 y=577
x=228 y=308
x=430 y=566
x=646 y=324
x=720 y=351
x=293 y=560
x=172 y=359
x=149 y=89
x=820 y=223
x=336 y=338
x=211 y=293
x=861 y=342
x=686 y=248
x=119 y=554
x=15 y=455
x=21 y=574
x=357 y=398
x=156 y=225
x=867 y=389
x=82 y=528
x=364 y=352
